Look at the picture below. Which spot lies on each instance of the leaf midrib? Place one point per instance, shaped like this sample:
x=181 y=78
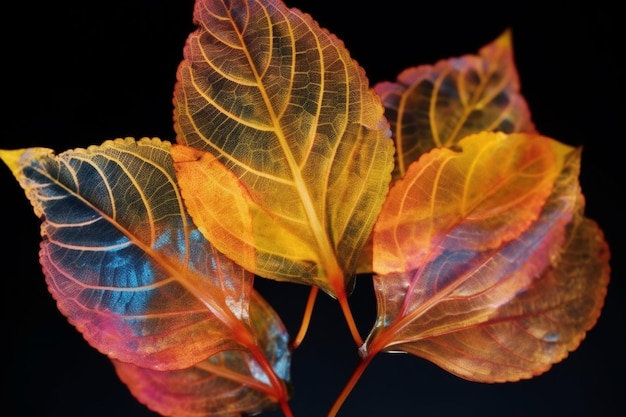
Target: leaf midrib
x=222 y=312
x=326 y=250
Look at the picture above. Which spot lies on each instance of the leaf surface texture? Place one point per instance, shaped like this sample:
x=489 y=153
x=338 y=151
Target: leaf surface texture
x=278 y=102
x=430 y=106
x=202 y=390
x=124 y=261
x=438 y=105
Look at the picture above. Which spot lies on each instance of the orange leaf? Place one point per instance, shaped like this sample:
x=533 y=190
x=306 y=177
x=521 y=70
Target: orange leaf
x=279 y=102
x=437 y=105
x=430 y=106
x=539 y=326
x=219 y=203
x=476 y=196
x=481 y=304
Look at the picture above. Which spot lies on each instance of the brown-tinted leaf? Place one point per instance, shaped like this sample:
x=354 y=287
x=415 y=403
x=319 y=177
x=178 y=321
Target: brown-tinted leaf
x=437 y=105
x=278 y=101
x=539 y=326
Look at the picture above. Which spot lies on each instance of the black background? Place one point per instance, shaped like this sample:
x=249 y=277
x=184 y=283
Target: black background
x=76 y=74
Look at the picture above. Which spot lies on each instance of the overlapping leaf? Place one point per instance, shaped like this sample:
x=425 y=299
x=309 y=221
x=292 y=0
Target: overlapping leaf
x=539 y=326
x=200 y=391
x=123 y=260
x=473 y=197
x=438 y=105
x=280 y=105
x=484 y=268
x=484 y=261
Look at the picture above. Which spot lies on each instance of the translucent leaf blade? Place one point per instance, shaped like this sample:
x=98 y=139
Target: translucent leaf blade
x=280 y=103
x=458 y=295
x=437 y=105
x=123 y=260
x=537 y=328
x=473 y=197
x=228 y=384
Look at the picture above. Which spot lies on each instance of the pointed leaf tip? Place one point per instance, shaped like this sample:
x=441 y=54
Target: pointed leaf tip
x=12 y=159
x=16 y=159
x=438 y=105
x=505 y=39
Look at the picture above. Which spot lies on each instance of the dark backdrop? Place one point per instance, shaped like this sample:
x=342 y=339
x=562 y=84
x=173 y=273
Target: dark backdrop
x=79 y=73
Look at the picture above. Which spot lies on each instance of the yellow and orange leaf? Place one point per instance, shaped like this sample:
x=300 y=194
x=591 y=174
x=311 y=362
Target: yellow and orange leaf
x=475 y=196
x=279 y=103
x=482 y=304
x=438 y=105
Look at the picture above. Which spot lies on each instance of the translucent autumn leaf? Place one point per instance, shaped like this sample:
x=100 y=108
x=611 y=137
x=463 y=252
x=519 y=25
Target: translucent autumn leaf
x=539 y=326
x=486 y=265
x=126 y=264
x=475 y=196
x=437 y=105
x=288 y=118
x=202 y=390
